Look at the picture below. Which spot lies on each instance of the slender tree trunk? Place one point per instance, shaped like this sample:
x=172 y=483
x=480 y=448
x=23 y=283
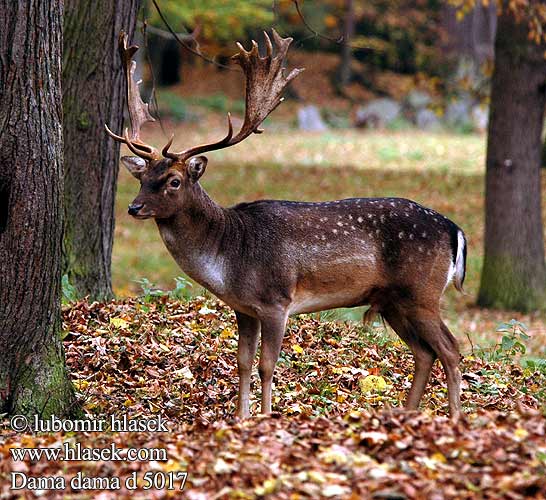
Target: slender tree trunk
x=33 y=376
x=345 y=72
x=93 y=94
x=514 y=273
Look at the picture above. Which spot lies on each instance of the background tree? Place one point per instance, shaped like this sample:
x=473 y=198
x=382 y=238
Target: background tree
x=33 y=377
x=514 y=272
x=346 y=49
x=93 y=94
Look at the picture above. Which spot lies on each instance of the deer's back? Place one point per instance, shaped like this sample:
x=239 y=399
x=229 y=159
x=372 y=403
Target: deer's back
x=316 y=256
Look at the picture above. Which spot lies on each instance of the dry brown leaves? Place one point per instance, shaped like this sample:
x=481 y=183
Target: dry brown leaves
x=335 y=434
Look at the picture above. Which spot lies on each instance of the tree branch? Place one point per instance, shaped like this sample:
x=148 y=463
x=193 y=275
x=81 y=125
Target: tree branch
x=186 y=37
x=195 y=51
x=338 y=41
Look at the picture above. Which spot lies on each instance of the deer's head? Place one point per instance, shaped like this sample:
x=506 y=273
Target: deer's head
x=169 y=179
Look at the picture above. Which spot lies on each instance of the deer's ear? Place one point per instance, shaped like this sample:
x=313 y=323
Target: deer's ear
x=135 y=165
x=196 y=167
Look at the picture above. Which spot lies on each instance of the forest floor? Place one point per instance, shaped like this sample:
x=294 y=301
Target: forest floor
x=337 y=431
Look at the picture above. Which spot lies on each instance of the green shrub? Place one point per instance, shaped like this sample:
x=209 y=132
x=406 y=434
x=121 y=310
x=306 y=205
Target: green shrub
x=172 y=106
x=68 y=291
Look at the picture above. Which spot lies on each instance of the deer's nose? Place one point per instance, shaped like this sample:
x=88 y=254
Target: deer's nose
x=134 y=208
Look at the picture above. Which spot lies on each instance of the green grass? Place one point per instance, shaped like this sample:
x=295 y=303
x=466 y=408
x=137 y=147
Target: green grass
x=442 y=171
x=174 y=106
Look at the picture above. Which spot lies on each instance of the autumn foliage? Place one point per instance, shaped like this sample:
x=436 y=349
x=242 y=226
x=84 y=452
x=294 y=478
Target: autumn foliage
x=337 y=432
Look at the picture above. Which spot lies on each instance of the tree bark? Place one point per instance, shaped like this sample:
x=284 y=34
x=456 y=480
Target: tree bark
x=93 y=94
x=33 y=376
x=514 y=273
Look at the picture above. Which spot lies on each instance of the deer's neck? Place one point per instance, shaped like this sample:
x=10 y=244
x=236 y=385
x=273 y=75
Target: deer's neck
x=193 y=237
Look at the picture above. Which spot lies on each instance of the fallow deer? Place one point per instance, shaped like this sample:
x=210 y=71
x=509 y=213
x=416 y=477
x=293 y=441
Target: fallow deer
x=271 y=259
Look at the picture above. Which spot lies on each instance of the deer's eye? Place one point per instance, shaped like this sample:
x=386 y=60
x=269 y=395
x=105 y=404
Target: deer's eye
x=175 y=183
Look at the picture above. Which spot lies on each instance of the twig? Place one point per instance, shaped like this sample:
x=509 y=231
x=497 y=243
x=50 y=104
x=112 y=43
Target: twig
x=339 y=40
x=187 y=37
x=470 y=342
x=186 y=46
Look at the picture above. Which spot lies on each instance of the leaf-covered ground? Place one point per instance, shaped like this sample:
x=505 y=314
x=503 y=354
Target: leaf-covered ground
x=337 y=431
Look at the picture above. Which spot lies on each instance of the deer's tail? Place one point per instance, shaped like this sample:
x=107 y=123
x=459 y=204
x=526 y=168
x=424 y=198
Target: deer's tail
x=460 y=261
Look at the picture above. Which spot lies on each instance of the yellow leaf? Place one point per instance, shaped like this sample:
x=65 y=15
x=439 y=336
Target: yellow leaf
x=316 y=476
x=372 y=383
x=335 y=454
x=520 y=434
x=226 y=333
x=119 y=323
x=81 y=385
x=269 y=486
x=297 y=349
x=164 y=348
x=170 y=466
x=339 y=370
x=439 y=457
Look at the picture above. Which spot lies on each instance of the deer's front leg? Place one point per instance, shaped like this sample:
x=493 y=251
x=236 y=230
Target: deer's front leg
x=273 y=327
x=249 y=330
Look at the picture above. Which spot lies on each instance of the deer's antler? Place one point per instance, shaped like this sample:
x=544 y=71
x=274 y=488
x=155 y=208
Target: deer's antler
x=265 y=82
x=138 y=110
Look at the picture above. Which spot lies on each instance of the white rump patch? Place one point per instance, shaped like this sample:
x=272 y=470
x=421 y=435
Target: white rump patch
x=457 y=269
x=450 y=273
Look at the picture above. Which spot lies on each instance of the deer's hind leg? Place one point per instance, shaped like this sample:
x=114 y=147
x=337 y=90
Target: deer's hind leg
x=431 y=329
x=273 y=327
x=423 y=354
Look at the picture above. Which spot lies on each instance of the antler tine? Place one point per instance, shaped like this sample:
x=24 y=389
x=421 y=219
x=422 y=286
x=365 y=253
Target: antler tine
x=148 y=155
x=203 y=148
x=165 y=150
x=268 y=45
x=265 y=82
x=138 y=109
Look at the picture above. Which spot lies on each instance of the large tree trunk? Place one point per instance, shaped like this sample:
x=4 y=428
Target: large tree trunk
x=33 y=377
x=93 y=94
x=514 y=273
